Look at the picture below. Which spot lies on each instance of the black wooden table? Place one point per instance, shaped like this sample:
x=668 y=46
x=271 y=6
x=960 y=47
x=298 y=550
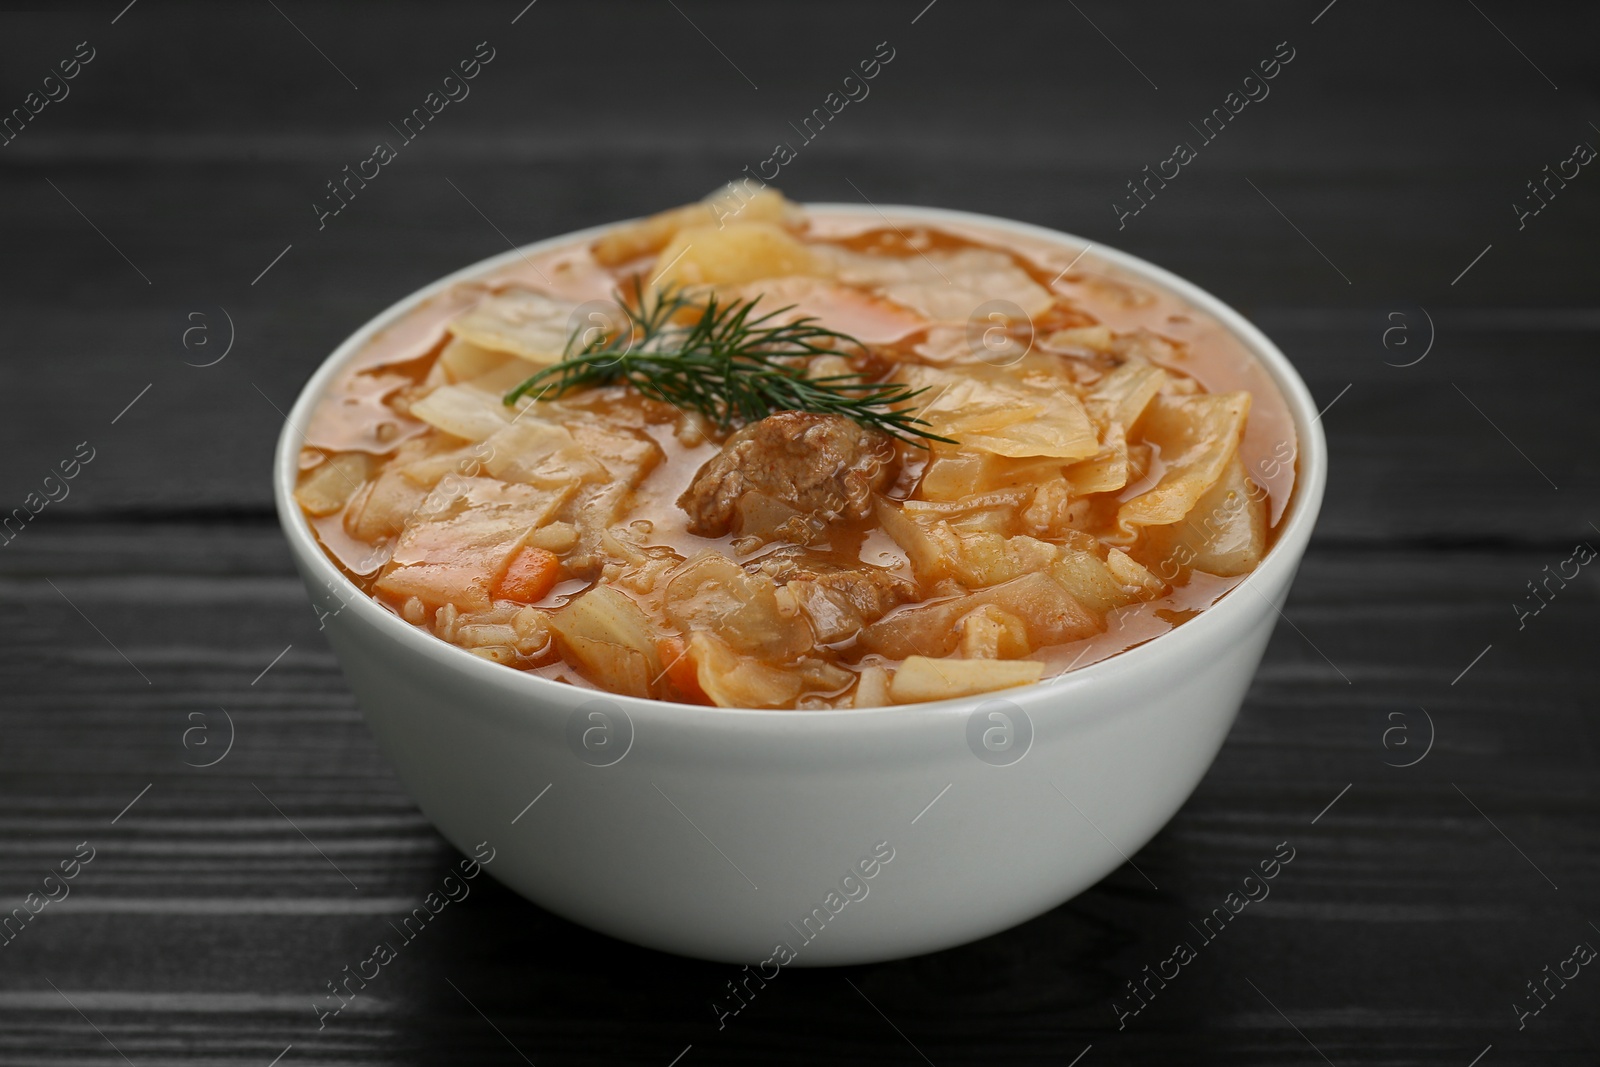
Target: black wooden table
x=1422 y=731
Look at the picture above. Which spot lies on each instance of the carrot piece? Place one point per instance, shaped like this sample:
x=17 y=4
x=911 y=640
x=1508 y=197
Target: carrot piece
x=529 y=576
x=680 y=669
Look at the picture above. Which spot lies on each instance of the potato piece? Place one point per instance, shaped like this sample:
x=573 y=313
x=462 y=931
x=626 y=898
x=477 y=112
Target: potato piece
x=930 y=548
x=605 y=631
x=735 y=681
x=735 y=253
x=980 y=557
x=629 y=242
x=982 y=560
x=872 y=688
x=331 y=484
x=737 y=202
x=1029 y=554
x=607 y=614
x=618 y=668
x=1101 y=585
x=920 y=678
x=1090 y=581
x=992 y=633
x=1133 y=576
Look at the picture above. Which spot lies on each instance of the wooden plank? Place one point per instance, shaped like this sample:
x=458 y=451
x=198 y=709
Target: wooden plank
x=1400 y=866
x=1324 y=151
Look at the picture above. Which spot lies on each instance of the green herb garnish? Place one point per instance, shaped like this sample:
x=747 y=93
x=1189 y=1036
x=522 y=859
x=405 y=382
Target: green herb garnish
x=730 y=365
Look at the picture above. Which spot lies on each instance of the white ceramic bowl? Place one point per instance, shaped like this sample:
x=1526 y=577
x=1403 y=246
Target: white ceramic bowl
x=724 y=833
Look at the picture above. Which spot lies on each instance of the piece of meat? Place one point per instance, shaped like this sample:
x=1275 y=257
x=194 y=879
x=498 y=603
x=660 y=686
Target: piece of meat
x=824 y=467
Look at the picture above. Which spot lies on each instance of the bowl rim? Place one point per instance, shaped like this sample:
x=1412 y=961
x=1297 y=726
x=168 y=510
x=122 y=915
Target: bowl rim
x=1281 y=559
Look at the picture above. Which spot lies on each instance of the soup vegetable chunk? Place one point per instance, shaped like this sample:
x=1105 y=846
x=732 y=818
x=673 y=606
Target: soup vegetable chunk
x=798 y=459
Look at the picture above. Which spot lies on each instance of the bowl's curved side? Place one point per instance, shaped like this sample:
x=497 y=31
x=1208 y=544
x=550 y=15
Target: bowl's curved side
x=718 y=831
x=720 y=843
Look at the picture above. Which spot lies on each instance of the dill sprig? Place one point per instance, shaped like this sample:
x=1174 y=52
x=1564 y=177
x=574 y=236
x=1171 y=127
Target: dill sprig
x=730 y=365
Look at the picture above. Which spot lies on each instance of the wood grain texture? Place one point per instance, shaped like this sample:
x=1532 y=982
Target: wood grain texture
x=1386 y=157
